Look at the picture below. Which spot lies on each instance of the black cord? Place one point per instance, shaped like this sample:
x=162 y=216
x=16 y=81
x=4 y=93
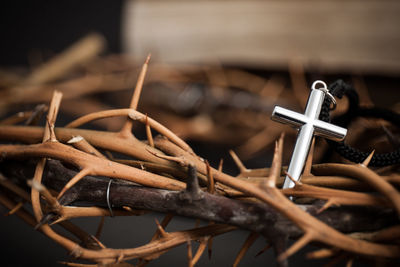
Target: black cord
x=339 y=89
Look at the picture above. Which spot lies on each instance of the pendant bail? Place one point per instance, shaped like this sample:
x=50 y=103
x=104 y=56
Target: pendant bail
x=324 y=89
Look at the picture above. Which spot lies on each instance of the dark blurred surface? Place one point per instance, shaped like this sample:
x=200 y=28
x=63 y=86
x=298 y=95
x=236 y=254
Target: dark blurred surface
x=47 y=27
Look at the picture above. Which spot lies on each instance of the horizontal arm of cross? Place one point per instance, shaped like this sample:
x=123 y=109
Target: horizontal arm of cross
x=329 y=131
x=297 y=120
x=289 y=117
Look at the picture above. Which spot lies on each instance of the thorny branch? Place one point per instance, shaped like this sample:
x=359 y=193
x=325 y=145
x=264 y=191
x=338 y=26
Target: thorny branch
x=166 y=175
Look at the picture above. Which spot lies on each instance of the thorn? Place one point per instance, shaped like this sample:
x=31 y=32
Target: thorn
x=189 y=254
x=73 y=181
x=60 y=219
x=220 y=165
x=97 y=241
x=120 y=257
x=322 y=253
x=296 y=183
x=304 y=240
x=148 y=133
x=127 y=128
x=134 y=211
x=161 y=230
x=147 y=59
x=368 y=159
x=210 y=179
x=45 y=219
x=238 y=162
x=16 y=208
x=164 y=223
x=209 y=244
x=276 y=165
x=327 y=205
x=180 y=160
x=246 y=245
x=308 y=165
x=263 y=250
x=139 y=84
x=100 y=227
x=200 y=250
x=192 y=191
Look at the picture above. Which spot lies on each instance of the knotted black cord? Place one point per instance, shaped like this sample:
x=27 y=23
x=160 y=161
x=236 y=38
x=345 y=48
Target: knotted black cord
x=340 y=88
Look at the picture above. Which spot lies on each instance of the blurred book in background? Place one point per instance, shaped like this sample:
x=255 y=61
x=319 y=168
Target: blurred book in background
x=337 y=36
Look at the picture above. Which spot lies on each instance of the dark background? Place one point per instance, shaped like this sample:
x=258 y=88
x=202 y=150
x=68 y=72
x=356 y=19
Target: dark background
x=48 y=27
x=40 y=29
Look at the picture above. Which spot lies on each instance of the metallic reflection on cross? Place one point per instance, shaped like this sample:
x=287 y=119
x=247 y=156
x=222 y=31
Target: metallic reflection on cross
x=308 y=124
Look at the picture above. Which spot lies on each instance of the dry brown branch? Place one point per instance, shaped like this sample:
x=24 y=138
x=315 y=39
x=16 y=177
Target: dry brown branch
x=127 y=128
x=37 y=178
x=368 y=176
x=165 y=175
x=134 y=115
x=77 y=54
x=316 y=230
x=92 y=164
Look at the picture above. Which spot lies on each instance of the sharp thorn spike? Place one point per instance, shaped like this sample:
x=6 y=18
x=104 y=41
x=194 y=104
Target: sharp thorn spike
x=210 y=242
x=304 y=240
x=100 y=227
x=276 y=163
x=268 y=246
x=220 y=165
x=161 y=229
x=366 y=162
x=296 y=183
x=80 y=175
x=246 y=245
x=45 y=219
x=148 y=133
x=189 y=254
x=210 y=179
x=16 y=208
x=238 y=162
x=192 y=191
x=326 y=206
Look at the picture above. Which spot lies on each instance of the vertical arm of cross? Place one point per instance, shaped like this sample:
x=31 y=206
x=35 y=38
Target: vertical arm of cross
x=308 y=125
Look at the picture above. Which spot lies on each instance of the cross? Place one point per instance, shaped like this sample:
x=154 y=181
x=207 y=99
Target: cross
x=308 y=125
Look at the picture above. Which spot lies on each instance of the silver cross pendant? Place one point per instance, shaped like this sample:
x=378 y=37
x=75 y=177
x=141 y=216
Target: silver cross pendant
x=308 y=125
